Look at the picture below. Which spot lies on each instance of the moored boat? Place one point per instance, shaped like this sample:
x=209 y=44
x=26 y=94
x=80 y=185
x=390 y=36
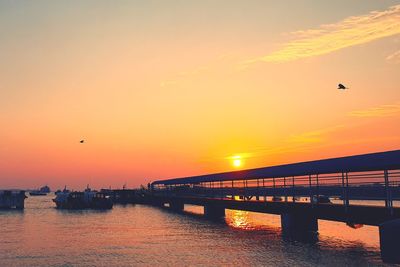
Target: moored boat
x=40 y=192
x=87 y=199
x=37 y=193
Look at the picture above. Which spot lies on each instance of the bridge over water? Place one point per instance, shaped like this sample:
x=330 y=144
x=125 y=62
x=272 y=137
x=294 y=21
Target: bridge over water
x=361 y=189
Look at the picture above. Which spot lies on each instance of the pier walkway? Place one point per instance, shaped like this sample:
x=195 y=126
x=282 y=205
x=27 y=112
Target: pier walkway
x=361 y=189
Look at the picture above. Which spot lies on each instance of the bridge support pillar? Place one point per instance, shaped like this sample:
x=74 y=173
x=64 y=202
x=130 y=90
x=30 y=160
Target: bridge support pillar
x=389 y=236
x=214 y=212
x=298 y=224
x=176 y=205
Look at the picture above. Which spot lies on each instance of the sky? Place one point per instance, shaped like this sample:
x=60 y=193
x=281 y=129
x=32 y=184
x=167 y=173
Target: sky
x=163 y=89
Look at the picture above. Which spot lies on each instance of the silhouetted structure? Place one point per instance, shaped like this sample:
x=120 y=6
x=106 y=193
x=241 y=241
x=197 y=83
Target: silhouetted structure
x=121 y=196
x=43 y=191
x=301 y=193
x=88 y=199
x=12 y=199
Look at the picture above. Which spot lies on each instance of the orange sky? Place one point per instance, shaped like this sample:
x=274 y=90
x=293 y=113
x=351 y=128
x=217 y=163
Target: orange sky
x=163 y=90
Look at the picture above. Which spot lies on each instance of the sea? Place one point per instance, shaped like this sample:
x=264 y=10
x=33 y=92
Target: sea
x=141 y=235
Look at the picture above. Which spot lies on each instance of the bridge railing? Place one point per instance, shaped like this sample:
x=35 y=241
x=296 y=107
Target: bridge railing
x=344 y=188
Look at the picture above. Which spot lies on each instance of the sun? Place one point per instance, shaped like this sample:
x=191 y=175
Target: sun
x=237 y=161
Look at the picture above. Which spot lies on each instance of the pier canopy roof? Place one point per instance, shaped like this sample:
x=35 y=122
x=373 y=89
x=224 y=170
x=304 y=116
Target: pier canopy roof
x=389 y=160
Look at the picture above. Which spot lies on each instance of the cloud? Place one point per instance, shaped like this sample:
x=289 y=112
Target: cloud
x=316 y=136
x=380 y=111
x=297 y=142
x=328 y=38
x=308 y=137
x=395 y=57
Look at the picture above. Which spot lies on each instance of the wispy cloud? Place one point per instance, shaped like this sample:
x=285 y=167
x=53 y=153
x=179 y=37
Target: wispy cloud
x=380 y=111
x=316 y=136
x=395 y=57
x=351 y=31
x=296 y=143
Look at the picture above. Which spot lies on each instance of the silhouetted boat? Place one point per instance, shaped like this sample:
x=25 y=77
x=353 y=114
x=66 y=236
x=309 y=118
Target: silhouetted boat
x=87 y=199
x=41 y=192
x=37 y=193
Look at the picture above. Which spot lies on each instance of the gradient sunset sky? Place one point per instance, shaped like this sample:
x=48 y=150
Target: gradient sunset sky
x=162 y=89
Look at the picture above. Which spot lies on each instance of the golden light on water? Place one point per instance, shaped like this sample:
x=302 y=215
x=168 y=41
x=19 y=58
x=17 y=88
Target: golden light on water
x=238 y=219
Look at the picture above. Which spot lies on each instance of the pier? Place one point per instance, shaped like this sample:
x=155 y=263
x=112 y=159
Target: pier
x=301 y=193
x=121 y=196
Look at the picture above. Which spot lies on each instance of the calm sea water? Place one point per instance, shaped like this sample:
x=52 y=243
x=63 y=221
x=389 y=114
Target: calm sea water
x=138 y=235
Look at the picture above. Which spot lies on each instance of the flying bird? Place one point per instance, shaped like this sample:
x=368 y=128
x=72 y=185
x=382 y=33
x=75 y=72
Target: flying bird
x=82 y=141
x=342 y=87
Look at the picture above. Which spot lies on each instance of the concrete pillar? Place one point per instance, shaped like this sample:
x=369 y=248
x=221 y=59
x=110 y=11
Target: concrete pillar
x=176 y=205
x=214 y=211
x=389 y=236
x=298 y=224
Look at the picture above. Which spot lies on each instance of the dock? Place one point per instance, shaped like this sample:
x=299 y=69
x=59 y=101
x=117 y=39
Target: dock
x=301 y=194
x=121 y=196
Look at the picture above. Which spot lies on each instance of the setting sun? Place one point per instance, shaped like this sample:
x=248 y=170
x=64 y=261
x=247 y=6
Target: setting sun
x=237 y=161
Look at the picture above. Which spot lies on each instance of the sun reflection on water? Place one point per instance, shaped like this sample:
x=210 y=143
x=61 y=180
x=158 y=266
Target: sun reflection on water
x=238 y=219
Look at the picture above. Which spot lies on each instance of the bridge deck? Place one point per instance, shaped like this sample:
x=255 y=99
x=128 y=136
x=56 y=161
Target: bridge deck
x=373 y=176
x=356 y=214
x=362 y=177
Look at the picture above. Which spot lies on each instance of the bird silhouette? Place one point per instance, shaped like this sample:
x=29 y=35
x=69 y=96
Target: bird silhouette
x=82 y=141
x=342 y=87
